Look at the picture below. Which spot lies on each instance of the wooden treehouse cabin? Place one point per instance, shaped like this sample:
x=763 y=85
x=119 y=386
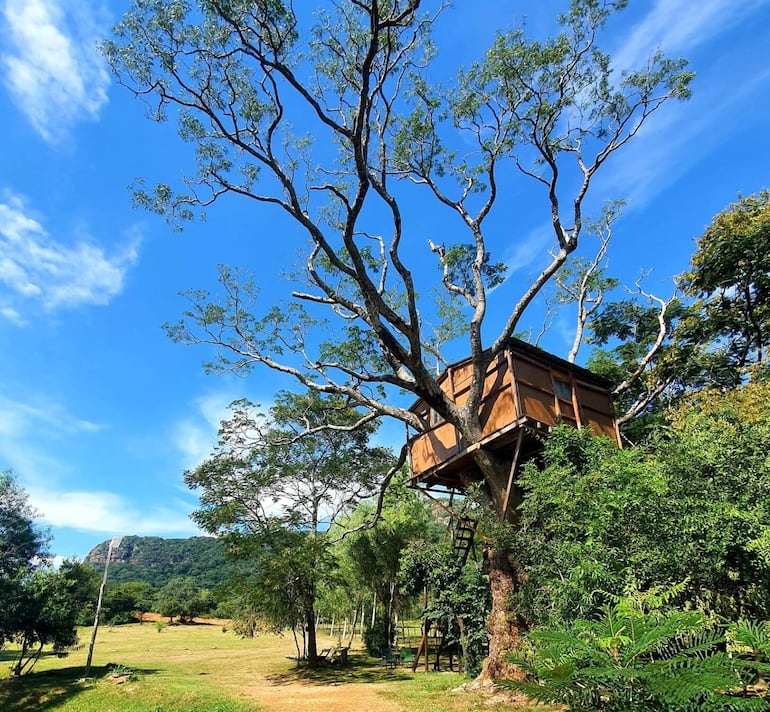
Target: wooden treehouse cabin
x=526 y=392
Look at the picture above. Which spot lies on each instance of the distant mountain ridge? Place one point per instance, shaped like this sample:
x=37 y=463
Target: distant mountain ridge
x=154 y=560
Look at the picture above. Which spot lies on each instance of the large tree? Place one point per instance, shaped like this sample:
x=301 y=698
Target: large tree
x=265 y=89
x=22 y=550
x=274 y=486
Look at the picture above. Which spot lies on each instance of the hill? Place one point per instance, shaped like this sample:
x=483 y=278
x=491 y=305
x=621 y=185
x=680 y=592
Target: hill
x=155 y=560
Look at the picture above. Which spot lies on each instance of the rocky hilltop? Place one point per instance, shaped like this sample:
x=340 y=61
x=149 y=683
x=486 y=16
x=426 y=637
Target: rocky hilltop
x=155 y=560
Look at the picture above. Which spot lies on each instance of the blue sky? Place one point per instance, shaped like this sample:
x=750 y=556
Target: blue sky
x=100 y=414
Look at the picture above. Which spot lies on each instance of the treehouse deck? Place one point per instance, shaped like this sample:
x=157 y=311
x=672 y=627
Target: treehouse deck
x=526 y=392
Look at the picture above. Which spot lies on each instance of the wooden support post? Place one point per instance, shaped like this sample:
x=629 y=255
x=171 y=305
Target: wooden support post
x=512 y=474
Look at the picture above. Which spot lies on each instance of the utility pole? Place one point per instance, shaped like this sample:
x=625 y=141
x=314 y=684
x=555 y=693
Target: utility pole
x=114 y=544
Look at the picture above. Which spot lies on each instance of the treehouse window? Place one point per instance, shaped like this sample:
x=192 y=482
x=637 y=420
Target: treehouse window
x=562 y=389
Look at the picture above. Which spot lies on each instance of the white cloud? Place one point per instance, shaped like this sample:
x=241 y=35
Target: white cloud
x=678 y=26
x=19 y=419
x=682 y=134
x=533 y=248
x=108 y=513
x=27 y=427
x=195 y=436
x=36 y=267
x=52 y=68
x=10 y=314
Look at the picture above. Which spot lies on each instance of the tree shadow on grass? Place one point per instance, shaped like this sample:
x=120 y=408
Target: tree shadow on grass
x=48 y=689
x=360 y=668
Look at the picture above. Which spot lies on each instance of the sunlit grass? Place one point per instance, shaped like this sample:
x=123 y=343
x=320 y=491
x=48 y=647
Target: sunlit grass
x=203 y=668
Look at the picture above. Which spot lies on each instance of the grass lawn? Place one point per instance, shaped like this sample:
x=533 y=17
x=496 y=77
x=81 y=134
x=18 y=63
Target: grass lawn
x=203 y=668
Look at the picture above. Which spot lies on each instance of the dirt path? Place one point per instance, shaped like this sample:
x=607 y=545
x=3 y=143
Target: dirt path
x=275 y=695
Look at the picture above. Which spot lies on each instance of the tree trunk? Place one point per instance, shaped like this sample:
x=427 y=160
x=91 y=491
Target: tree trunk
x=503 y=625
x=312 y=646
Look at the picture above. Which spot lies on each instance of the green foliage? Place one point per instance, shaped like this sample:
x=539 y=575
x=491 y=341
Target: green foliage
x=716 y=333
x=370 y=558
x=590 y=522
x=377 y=636
x=125 y=601
x=183 y=597
x=458 y=600
x=716 y=453
x=39 y=606
x=44 y=611
x=21 y=541
x=272 y=487
x=637 y=655
x=694 y=506
x=731 y=273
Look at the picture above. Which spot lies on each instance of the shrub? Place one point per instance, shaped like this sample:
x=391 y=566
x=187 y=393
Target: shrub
x=637 y=656
x=376 y=637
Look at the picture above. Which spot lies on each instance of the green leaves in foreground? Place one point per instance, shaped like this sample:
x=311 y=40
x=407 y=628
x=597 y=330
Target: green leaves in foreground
x=638 y=657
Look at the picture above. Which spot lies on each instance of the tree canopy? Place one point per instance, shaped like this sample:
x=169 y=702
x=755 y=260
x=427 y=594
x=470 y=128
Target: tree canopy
x=237 y=77
x=41 y=606
x=275 y=485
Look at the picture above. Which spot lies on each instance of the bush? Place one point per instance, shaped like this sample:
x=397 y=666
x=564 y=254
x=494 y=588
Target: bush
x=376 y=637
x=122 y=618
x=637 y=656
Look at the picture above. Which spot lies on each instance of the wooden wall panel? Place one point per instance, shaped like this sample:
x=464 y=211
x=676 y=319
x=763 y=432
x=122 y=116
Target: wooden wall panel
x=594 y=399
x=601 y=424
x=533 y=374
x=461 y=377
x=537 y=404
x=501 y=412
x=433 y=447
x=566 y=411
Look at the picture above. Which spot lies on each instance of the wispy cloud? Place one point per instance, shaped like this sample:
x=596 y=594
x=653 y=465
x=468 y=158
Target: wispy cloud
x=678 y=26
x=195 y=436
x=681 y=134
x=19 y=418
x=51 y=66
x=532 y=248
x=35 y=267
x=109 y=513
x=27 y=428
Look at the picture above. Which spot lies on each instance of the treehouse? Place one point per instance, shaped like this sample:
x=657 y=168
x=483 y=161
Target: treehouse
x=526 y=392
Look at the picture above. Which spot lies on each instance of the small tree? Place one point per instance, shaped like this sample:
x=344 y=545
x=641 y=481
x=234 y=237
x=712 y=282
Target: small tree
x=45 y=610
x=277 y=482
x=124 y=601
x=183 y=597
x=372 y=556
x=39 y=605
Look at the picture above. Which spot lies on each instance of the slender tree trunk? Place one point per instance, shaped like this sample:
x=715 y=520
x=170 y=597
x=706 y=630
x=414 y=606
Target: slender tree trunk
x=17 y=666
x=374 y=609
x=312 y=646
